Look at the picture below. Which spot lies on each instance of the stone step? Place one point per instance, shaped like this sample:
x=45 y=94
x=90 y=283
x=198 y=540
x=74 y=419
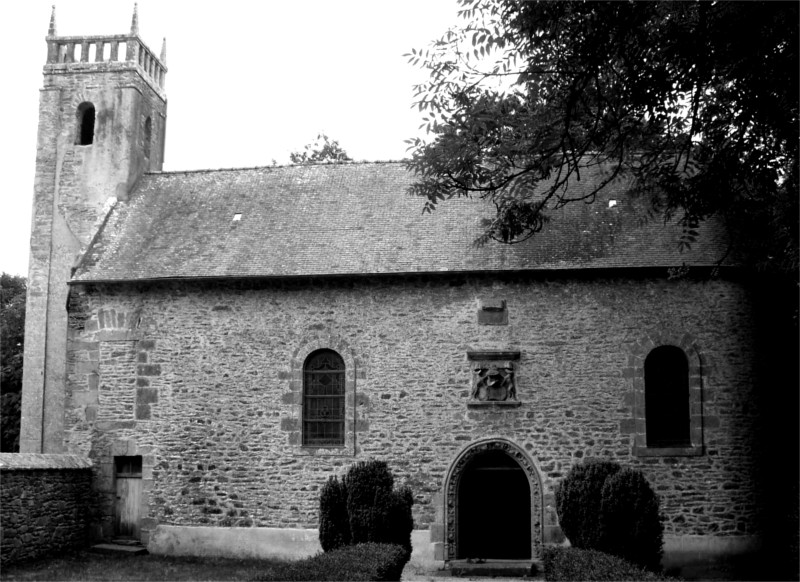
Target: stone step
x=496 y=569
x=119 y=549
x=126 y=542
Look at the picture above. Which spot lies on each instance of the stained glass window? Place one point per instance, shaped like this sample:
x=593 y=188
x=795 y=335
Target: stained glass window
x=323 y=399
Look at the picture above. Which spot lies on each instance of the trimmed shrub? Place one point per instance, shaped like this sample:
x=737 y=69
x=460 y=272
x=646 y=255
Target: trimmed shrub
x=630 y=518
x=578 y=498
x=366 y=482
x=334 y=523
x=392 y=520
x=568 y=564
x=604 y=507
x=380 y=561
x=364 y=507
x=401 y=518
x=359 y=562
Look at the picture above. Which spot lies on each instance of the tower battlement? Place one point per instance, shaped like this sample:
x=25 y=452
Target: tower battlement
x=116 y=52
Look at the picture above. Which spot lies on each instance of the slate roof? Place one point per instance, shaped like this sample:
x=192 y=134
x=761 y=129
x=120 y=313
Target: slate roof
x=356 y=218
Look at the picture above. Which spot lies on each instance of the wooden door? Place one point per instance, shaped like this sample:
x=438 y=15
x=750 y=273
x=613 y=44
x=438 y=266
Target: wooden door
x=129 y=496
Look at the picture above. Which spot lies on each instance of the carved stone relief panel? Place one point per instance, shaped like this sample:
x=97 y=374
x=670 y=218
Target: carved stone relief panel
x=493 y=376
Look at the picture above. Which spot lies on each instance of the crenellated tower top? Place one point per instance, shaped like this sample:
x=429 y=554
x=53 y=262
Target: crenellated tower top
x=105 y=52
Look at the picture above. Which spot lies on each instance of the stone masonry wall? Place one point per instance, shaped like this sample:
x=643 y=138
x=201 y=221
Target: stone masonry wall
x=205 y=381
x=44 y=504
x=75 y=186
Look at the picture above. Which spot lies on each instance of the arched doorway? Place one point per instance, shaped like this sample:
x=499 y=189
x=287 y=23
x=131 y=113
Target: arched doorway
x=493 y=504
x=494 y=509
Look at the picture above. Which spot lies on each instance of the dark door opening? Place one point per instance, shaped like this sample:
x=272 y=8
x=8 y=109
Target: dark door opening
x=494 y=509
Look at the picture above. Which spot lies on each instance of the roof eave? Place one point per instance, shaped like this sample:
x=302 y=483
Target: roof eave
x=496 y=272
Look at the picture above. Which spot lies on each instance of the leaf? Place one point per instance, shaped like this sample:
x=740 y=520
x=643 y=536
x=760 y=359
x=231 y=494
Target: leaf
x=683 y=109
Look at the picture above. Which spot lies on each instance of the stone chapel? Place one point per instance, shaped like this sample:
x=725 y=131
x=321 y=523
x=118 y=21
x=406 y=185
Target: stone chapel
x=219 y=342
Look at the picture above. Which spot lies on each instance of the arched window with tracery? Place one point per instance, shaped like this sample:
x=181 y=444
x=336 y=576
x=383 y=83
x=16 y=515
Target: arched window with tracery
x=323 y=399
x=85 y=117
x=666 y=386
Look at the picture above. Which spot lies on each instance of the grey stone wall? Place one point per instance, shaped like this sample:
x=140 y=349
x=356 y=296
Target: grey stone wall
x=75 y=187
x=205 y=381
x=45 y=504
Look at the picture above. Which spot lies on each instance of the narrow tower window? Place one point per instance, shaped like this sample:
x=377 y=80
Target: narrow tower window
x=666 y=381
x=85 y=116
x=148 y=134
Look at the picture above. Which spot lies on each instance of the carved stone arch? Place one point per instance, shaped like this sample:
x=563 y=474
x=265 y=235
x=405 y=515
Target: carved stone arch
x=312 y=343
x=452 y=482
x=355 y=404
x=77 y=98
x=699 y=373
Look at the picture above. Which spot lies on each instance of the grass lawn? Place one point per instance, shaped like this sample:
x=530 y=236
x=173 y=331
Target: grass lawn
x=90 y=566
x=367 y=561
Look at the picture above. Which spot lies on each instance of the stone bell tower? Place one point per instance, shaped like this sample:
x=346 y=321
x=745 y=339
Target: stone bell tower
x=102 y=118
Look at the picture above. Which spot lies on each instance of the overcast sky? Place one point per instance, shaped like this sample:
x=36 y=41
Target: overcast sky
x=249 y=81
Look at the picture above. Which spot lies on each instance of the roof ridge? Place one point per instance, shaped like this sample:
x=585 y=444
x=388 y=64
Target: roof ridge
x=279 y=166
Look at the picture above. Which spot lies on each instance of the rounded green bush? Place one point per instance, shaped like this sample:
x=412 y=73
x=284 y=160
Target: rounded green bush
x=393 y=522
x=578 y=499
x=631 y=520
x=402 y=519
x=366 y=483
x=358 y=563
x=334 y=523
x=568 y=564
x=364 y=507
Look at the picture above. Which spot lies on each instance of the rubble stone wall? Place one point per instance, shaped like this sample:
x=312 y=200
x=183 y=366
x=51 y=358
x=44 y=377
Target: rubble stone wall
x=205 y=380
x=45 y=504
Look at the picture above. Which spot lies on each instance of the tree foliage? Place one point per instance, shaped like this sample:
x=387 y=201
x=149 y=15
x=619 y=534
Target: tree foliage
x=322 y=151
x=13 y=291
x=694 y=103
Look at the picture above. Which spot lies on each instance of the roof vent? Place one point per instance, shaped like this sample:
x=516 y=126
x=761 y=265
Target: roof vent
x=237 y=217
x=612 y=203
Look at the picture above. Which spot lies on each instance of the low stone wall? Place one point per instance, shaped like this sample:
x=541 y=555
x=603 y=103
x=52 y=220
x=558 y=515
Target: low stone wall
x=689 y=557
x=44 y=504
x=262 y=542
x=235 y=542
x=711 y=557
